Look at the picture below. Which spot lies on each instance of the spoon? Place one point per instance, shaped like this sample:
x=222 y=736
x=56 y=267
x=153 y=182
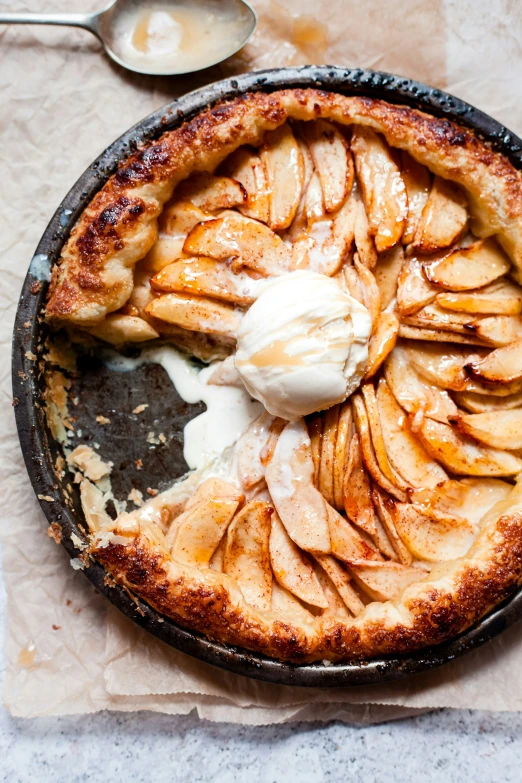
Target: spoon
x=161 y=37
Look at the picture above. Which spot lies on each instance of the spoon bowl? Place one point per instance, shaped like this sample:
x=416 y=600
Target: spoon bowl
x=161 y=37
x=169 y=37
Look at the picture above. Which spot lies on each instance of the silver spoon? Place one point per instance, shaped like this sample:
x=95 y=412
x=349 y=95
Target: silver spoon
x=231 y=23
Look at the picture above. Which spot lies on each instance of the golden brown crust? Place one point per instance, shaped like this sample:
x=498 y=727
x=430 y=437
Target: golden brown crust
x=428 y=612
x=120 y=225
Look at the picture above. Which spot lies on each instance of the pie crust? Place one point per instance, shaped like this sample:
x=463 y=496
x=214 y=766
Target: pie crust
x=96 y=277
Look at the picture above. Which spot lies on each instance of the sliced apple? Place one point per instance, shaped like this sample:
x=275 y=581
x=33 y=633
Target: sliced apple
x=498 y=330
x=164 y=251
x=364 y=241
x=438 y=336
x=501 y=366
x=308 y=161
x=347 y=543
x=370 y=290
x=414 y=291
x=351 y=283
x=341 y=453
x=340 y=246
x=314 y=204
x=247 y=241
x=210 y=192
x=284 y=168
x=292 y=568
x=289 y=477
x=386 y=581
x=249 y=450
x=418 y=183
x=341 y=580
x=328 y=244
x=275 y=429
x=332 y=159
x=469 y=267
x=484 y=403
x=214 y=488
x=383 y=189
x=405 y=452
x=379 y=447
x=443 y=365
x=384 y=506
x=358 y=501
x=463 y=455
x=387 y=273
x=432 y=539
x=434 y=317
x=326 y=468
x=356 y=490
x=118 y=329
x=315 y=430
x=206 y=277
x=201 y=530
x=245 y=166
x=336 y=606
x=197 y=313
x=179 y=217
x=500 y=429
x=247 y=558
x=284 y=605
x=443 y=218
x=414 y=394
x=363 y=428
x=469 y=498
x=382 y=342
x=498 y=298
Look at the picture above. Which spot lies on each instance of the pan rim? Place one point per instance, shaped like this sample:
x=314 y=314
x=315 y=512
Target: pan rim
x=29 y=417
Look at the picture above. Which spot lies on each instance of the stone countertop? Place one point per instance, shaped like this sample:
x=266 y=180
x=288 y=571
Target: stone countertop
x=437 y=747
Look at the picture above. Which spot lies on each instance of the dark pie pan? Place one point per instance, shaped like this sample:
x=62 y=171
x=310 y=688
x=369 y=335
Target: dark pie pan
x=116 y=395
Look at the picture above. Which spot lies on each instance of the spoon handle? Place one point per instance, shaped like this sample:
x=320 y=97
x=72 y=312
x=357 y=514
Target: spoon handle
x=86 y=21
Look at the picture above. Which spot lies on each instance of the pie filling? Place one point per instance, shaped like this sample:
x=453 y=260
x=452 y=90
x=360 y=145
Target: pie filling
x=354 y=485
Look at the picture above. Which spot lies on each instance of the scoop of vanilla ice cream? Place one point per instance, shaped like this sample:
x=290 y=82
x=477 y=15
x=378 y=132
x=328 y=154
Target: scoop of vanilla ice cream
x=303 y=345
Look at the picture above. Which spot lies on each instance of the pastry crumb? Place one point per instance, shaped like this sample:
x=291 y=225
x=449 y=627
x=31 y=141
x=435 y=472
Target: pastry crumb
x=48 y=498
x=31 y=356
x=89 y=463
x=152 y=492
x=140 y=408
x=138 y=463
x=103 y=420
x=54 y=531
x=152 y=439
x=56 y=627
x=135 y=496
x=77 y=564
x=162 y=438
x=77 y=541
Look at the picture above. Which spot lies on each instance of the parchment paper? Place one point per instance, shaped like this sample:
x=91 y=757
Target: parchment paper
x=63 y=102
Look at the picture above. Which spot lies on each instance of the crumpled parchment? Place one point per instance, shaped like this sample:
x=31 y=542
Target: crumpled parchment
x=67 y=650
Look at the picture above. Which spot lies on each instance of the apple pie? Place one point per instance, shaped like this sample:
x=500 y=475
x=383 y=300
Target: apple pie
x=387 y=516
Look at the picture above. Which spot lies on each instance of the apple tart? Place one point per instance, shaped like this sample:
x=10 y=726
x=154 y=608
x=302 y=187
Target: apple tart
x=391 y=519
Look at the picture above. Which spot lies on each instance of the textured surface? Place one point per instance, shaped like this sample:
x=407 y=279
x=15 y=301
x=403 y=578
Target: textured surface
x=37 y=83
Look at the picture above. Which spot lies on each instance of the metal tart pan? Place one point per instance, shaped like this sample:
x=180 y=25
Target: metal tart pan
x=99 y=391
